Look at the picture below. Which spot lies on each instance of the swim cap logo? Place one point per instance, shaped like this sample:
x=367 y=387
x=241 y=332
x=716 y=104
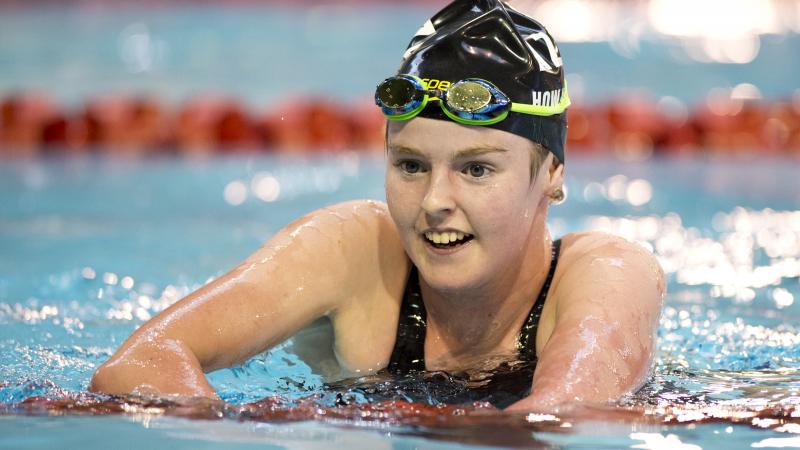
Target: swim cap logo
x=433 y=83
x=425 y=30
x=554 y=57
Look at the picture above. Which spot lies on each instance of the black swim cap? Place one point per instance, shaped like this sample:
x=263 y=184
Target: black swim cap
x=488 y=39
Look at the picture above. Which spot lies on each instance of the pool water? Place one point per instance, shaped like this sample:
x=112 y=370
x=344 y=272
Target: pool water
x=91 y=248
x=265 y=53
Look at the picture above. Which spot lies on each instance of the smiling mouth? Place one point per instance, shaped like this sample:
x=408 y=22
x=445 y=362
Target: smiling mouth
x=447 y=239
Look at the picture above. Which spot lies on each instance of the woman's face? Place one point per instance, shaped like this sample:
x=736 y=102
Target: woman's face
x=446 y=182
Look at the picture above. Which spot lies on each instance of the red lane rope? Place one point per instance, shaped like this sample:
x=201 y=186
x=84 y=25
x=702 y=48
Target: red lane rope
x=33 y=124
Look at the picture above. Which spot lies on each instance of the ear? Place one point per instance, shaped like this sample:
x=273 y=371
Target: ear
x=556 y=178
x=551 y=175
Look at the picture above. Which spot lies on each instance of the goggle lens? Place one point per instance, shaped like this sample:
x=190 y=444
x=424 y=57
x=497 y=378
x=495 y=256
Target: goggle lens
x=468 y=96
x=396 y=93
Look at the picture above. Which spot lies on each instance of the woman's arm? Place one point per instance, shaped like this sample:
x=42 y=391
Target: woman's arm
x=307 y=270
x=608 y=304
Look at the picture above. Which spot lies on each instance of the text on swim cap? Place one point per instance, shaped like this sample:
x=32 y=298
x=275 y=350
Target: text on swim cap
x=546 y=98
x=436 y=84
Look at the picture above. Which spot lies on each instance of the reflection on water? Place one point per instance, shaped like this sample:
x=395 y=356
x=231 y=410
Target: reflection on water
x=477 y=423
x=73 y=290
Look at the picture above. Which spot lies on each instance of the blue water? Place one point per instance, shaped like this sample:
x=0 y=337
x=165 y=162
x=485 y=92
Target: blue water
x=91 y=248
x=262 y=55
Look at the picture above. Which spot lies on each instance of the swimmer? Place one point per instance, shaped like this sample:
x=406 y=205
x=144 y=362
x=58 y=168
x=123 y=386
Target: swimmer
x=457 y=266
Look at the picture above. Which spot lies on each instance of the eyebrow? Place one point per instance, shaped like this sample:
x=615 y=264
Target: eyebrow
x=467 y=152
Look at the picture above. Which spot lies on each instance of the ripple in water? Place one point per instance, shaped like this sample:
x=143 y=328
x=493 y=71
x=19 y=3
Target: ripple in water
x=727 y=345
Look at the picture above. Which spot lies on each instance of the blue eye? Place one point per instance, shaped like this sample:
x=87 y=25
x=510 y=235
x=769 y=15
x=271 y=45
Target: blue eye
x=476 y=170
x=410 y=166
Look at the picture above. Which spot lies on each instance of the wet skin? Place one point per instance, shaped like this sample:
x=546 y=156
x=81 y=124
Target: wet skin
x=350 y=261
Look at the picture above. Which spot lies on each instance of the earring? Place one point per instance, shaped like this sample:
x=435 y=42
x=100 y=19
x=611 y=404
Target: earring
x=558 y=196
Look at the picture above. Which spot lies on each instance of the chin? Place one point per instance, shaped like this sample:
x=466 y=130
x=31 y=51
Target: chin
x=446 y=279
x=450 y=278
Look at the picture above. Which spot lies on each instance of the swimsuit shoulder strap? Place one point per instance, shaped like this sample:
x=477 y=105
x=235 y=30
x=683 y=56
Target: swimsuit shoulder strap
x=526 y=342
x=409 y=346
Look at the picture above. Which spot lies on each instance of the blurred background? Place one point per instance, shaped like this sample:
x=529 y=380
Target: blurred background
x=148 y=146
x=170 y=76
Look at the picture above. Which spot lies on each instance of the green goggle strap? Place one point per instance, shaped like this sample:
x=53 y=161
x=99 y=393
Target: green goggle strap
x=541 y=110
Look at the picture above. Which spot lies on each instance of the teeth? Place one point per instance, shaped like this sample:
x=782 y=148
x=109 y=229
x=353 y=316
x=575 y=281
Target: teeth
x=445 y=238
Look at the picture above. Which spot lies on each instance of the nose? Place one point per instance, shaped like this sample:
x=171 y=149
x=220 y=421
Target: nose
x=439 y=199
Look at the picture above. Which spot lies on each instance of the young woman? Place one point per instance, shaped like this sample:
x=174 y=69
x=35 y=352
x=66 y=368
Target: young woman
x=458 y=267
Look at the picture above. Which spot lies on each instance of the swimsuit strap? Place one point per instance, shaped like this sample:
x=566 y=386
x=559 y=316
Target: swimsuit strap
x=526 y=342
x=408 y=354
x=409 y=345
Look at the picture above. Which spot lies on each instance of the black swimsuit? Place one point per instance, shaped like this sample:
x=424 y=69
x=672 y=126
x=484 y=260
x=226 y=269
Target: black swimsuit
x=506 y=384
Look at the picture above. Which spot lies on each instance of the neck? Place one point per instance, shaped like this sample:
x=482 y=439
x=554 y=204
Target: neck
x=486 y=319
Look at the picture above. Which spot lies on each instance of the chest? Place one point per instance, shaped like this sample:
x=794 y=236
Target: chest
x=364 y=335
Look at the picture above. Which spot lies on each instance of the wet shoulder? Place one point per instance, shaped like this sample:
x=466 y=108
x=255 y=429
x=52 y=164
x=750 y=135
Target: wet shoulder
x=367 y=226
x=600 y=273
x=353 y=245
x=593 y=252
x=368 y=237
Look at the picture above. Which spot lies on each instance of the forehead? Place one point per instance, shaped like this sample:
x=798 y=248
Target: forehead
x=443 y=136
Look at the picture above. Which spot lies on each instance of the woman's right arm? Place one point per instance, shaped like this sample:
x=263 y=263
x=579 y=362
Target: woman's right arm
x=309 y=269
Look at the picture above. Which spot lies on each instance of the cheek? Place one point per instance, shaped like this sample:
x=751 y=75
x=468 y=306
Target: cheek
x=505 y=221
x=400 y=199
x=501 y=207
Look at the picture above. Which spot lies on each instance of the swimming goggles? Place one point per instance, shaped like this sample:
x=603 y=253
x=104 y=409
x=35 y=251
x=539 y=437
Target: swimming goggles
x=471 y=101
